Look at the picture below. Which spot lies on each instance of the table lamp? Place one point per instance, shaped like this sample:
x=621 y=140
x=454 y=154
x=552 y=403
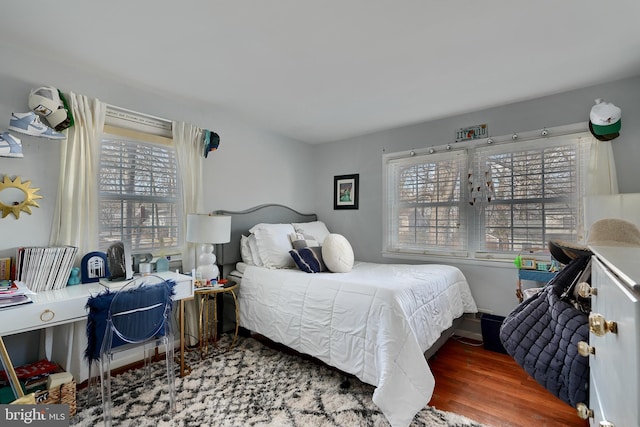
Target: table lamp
x=208 y=230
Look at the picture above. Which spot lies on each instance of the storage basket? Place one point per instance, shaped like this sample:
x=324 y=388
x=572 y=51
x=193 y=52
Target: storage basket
x=63 y=394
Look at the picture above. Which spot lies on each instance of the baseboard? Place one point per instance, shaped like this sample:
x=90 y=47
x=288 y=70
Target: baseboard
x=469 y=334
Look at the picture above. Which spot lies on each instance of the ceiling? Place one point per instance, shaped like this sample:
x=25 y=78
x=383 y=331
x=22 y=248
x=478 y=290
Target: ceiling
x=325 y=70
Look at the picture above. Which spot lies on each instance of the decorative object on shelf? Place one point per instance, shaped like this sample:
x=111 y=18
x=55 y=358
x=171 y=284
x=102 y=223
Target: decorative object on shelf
x=74 y=277
x=50 y=104
x=16 y=196
x=527 y=263
x=472 y=132
x=208 y=230
x=29 y=124
x=119 y=262
x=140 y=259
x=10 y=146
x=162 y=264
x=346 y=191
x=94 y=267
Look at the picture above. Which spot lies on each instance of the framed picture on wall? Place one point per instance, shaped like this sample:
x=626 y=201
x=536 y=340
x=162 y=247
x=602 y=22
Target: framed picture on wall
x=345 y=191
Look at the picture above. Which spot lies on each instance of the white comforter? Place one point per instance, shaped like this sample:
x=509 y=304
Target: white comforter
x=374 y=322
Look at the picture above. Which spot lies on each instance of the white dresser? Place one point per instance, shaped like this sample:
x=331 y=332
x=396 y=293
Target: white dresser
x=615 y=337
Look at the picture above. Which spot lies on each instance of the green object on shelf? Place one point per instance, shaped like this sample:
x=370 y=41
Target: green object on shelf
x=518 y=261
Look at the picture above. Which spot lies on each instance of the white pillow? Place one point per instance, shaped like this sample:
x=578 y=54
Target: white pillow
x=245 y=250
x=337 y=253
x=253 y=249
x=274 y=245
x=317 y=229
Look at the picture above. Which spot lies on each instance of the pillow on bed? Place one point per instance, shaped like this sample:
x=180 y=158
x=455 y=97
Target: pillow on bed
x=253 y=250
x=309 y=259
x=273 y=244
x=299 y=241
x=245 y=250
x=337 y=253
x=317 y=229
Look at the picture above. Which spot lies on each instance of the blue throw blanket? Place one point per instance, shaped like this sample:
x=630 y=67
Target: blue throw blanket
x=542 y=334
x=99 y=305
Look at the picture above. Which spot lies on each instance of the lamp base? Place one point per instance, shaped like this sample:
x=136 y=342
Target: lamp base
x=207 y=268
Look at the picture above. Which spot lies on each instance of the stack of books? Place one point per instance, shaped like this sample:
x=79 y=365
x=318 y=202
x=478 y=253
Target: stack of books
x=13 y=293
x=45 y=268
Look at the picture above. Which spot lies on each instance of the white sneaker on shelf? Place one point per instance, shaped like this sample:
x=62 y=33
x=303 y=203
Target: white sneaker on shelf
x=10 y=146
x=30 y=124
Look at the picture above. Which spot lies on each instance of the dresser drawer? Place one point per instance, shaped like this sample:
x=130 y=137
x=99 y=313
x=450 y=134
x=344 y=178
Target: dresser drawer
x=615 y=366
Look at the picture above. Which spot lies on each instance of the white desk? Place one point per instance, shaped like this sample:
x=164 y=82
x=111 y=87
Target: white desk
x=67 y=305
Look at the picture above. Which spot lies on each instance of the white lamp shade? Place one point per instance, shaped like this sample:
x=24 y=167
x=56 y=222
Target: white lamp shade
x=202 y=228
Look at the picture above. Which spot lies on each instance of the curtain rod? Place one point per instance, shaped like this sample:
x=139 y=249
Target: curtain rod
x=494 y=140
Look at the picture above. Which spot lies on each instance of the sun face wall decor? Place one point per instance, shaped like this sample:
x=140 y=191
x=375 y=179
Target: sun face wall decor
x=17 y=196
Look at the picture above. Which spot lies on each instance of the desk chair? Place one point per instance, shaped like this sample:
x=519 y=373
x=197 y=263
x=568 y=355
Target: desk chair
x=137 y=314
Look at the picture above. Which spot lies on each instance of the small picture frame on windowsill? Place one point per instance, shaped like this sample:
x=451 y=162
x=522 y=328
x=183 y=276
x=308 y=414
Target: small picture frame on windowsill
x=528 y=263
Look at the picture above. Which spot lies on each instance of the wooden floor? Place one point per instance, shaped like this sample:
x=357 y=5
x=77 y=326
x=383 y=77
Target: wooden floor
x=491 y=388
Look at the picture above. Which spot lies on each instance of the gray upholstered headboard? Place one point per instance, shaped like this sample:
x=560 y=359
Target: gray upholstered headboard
x=241 y=222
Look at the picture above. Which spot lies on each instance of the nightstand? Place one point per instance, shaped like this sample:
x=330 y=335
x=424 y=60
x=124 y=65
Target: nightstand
x=208 y=326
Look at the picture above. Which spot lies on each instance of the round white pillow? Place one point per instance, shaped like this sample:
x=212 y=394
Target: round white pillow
x=337 y=253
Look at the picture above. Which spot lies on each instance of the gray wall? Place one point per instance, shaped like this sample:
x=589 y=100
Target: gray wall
x=493 y=283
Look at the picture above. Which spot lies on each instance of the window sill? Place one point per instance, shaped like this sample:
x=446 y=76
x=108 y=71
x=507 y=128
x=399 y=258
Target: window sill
x=448 y=259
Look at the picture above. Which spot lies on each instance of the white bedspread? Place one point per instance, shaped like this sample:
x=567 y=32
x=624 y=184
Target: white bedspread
x=374 y=322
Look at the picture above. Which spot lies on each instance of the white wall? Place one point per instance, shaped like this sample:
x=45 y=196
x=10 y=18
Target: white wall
x=493 y=284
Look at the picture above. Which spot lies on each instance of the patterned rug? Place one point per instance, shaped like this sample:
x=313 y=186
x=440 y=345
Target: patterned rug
x=251 y=385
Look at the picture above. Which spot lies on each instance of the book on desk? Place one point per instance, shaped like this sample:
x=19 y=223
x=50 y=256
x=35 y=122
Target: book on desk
x=13 y=293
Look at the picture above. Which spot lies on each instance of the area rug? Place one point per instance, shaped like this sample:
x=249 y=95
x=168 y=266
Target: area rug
x=250 y=385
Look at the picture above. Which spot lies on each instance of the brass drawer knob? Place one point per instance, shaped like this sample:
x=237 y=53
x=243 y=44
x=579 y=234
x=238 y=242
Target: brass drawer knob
x=585 y=290
x=599 y=326
x=583 y=411
x=584 y=349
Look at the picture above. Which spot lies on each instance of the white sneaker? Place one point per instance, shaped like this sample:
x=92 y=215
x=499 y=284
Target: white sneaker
x=10 y=146
x=30 y=124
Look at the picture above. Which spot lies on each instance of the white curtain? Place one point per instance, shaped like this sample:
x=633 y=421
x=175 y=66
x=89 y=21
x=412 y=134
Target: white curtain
x=76 y=211
x=189 y=153
x=601 y=179
x=601 y=171
x=75 y=219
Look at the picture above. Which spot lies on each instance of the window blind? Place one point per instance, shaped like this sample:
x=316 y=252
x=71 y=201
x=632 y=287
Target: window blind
x=424 y=194
x=138 y=194
x=536 y=193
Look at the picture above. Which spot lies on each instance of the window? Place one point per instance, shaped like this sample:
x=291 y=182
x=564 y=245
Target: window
x=425 y=198
x=138 y=185
x=485 y=200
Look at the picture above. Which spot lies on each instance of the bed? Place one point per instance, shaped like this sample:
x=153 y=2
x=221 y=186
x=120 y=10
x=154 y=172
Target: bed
x=378 y=322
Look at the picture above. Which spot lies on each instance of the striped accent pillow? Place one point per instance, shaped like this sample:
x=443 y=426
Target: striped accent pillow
x=299 y=241
x=309 y=259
